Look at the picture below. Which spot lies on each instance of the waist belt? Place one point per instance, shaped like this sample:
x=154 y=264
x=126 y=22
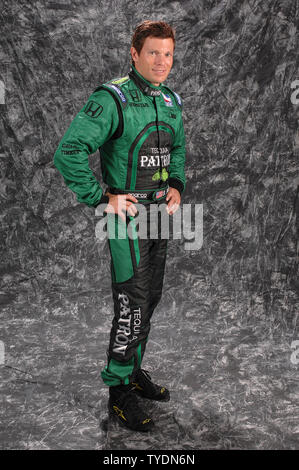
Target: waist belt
x=151 y=195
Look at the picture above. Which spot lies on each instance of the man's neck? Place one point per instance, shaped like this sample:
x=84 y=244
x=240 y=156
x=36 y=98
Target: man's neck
x=155 y=84
x=147 y=87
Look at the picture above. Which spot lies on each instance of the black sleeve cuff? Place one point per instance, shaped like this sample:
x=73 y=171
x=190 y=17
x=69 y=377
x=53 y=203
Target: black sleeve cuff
x=104 y=200
x=176 y=184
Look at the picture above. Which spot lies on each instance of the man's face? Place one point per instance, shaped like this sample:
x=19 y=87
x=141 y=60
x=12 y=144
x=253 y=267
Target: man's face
x=155 y=59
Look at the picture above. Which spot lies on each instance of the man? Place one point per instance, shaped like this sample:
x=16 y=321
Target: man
x=136 y=121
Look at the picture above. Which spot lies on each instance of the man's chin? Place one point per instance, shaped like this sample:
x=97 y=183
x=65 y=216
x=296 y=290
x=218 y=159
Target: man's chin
x=159 y=79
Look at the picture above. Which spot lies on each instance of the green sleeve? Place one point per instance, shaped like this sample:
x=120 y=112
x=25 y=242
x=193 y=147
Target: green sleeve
x=177 y=178
x=94 y=125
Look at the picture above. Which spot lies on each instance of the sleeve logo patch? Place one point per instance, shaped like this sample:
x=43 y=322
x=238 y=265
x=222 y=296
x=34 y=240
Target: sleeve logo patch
x=93 y=109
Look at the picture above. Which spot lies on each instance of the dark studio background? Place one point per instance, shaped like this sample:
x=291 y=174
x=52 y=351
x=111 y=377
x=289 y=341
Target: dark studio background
x=221 y=337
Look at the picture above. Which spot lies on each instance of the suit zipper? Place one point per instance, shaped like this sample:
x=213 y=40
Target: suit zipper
x=160 y=160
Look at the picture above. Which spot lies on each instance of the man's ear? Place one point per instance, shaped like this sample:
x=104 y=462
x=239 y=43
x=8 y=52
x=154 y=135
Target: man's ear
x=134 y=54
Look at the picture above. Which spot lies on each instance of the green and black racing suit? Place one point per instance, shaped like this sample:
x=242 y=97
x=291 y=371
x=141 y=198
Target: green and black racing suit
x=139 y=131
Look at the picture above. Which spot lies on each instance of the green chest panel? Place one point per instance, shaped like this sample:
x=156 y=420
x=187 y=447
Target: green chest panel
x=140 y=157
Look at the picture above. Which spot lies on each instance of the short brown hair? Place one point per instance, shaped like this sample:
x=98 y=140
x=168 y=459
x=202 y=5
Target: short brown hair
x=156 y=29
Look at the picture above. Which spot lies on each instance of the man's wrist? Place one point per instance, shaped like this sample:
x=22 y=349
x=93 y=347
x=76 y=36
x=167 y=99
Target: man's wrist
x=104 y=200
x=176 y=184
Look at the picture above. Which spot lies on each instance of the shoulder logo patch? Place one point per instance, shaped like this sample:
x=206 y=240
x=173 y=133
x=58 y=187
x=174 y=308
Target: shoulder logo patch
x=118 y=91
x=93 y=109
x=178 y=98
x=120 y=80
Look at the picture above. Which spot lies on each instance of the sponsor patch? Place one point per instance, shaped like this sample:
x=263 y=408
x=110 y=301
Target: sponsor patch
x=139 y=195
x=163 y=176
x=178 y=98
x=93 y=109
x=70 y=152
x=124 y=325
x=139 y=105
x=159 y=194
x=136 y=95
x=155 y=160
x=118 y=91
x=120 y=80
x=149 y=91
x=128 y=327
x=167 y=100
x=69 y=146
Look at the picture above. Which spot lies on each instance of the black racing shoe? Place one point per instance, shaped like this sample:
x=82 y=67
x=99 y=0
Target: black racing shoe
x=147 y=389
x=123 y=404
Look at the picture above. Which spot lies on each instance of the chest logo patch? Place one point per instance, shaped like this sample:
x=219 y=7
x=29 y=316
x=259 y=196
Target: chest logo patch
x=167 y=100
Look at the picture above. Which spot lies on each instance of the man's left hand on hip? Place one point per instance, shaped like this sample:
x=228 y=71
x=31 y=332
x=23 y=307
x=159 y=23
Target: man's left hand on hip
x=173 y=199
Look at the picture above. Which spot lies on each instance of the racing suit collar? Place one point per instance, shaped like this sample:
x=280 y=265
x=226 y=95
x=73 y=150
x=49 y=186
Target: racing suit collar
x=146 y=87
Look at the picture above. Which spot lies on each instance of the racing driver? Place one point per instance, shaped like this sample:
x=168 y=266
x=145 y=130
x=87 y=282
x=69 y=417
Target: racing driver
x=136 y=123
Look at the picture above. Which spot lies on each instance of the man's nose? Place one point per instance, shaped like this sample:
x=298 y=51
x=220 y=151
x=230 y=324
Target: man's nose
x=160 y=59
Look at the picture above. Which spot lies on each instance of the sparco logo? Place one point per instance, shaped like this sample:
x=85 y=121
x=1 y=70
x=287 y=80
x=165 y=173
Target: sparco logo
x=139 y=195
x=152 y=92
x=124 y=325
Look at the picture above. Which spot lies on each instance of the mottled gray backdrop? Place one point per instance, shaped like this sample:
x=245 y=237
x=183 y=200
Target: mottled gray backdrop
x=223 y=338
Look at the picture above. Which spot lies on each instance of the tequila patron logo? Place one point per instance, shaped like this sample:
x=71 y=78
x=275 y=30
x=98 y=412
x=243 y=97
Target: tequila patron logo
x=158 y=157
x=125 y=327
